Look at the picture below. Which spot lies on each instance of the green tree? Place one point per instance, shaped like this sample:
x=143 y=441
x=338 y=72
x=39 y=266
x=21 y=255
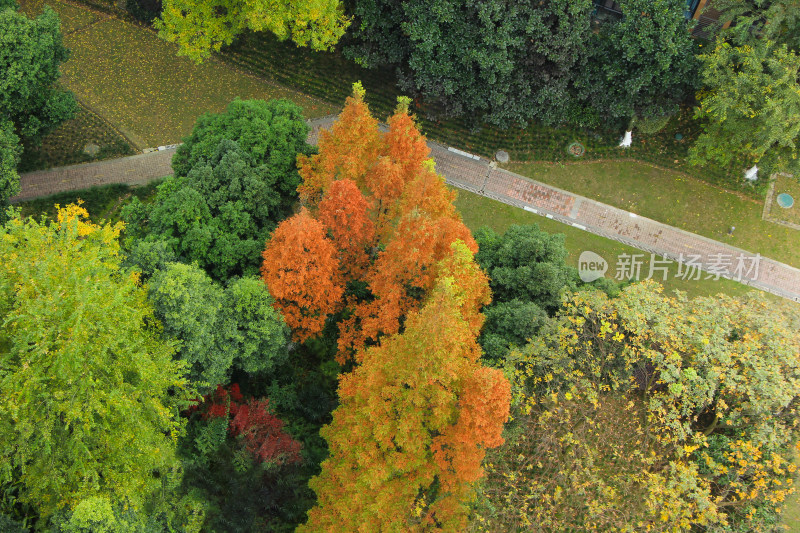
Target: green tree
x=509 y=325
x=272 y=132
x=528 y=274
x=201 y=27
x=774 y=20
x=219 y=329
x=235 y=179
x=9 y=157
x=749 y=106
x=526 y=263
x=641 y=65
x=506 y=62
x=31 y=103
x=31 y=52
x=89 y=393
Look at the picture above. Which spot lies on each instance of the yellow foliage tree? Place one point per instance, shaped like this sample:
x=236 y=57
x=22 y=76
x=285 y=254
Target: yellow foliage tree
x=201 y=27
x=651 y=413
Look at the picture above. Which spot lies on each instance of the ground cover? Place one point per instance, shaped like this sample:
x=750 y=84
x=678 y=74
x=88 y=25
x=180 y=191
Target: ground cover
x=675 y=199
x=65 y=145
x=478 y=210
x=72 y=17
x=103 y=202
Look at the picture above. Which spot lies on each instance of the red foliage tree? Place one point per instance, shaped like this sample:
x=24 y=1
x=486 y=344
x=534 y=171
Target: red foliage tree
x=418 y=412
x=261 y=431
x=301 y=269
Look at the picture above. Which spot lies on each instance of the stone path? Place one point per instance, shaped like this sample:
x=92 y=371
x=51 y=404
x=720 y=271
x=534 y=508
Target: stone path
x=698 y=256
x=133 y=170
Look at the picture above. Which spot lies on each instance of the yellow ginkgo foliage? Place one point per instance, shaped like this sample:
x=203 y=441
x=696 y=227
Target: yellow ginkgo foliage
x=201 y=27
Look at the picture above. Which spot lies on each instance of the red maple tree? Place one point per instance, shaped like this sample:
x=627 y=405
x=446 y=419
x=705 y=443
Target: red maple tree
x=261 y=431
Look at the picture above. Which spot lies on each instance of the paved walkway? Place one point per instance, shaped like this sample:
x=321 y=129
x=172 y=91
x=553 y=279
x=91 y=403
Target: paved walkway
x=475 y=174
x=133 y=170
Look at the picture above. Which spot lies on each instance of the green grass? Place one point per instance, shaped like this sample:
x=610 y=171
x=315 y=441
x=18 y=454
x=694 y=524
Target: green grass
x=103 y=203
x=480 y=211
x=675 y=199
x=64 y=145
x=73 y=18
x=135 y=80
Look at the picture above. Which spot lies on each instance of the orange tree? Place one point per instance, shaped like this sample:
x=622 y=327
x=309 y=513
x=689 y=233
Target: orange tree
x=301 y=270
x=650 y=413
x=387 y=212
x=414 y=421
x=418 y=412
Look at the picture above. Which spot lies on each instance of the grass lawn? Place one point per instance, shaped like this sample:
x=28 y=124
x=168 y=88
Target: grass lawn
x=675 y=199
x=480 y=211
x=64 y=145
x=72 y=17
x=133 y=79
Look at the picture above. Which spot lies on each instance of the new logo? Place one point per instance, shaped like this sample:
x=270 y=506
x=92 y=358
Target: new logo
x=591 y=266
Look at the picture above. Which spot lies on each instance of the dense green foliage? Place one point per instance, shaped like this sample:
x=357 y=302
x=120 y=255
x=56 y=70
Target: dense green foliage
x=9 y=157
x=512 y=63
x=528 y=275
x=89 y=393
x=272 y=132
x=220 y=329
x=526 y=263
x=750 y=102
x=774 y=20
x=31 y=51
x=235 y=178
x=508 y=62
x=31 y=103
x=640 y=65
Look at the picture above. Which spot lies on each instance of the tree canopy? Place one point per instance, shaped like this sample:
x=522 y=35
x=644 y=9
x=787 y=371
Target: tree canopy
x=414 y=421
x=380 y=251
x=235 y=179
x=220 y=329
x=510 y=63
x=651 y=413
x=89 y=393
x=201 y=27
x=507 y=63
x=749 y=106
x=640 y=65
x=31 y=51
x=31 y=102
x=774 y=20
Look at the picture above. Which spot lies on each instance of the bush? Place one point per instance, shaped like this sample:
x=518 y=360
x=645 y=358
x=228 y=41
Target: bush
x=650 y=125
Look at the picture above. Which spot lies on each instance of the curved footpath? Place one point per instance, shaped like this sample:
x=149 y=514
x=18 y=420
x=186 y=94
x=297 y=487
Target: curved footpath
x=478 y=175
